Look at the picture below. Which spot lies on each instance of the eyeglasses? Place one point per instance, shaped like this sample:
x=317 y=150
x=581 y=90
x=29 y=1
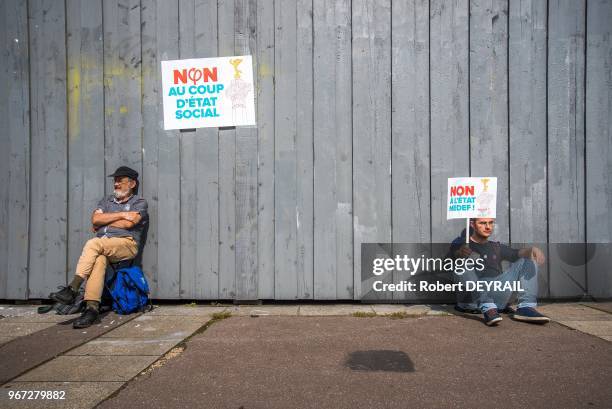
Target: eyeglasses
x=122 y=180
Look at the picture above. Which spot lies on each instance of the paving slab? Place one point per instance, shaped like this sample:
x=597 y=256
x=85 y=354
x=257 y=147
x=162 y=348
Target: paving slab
x=19 y=329
x=185 y=310
x=597 y=328
x=338 y=362
x=263 y=310
x=573 y=312
x=88 y=369
x=78 y=395
x=50 y=317
x=125 y=346
x=602 y=306
x=8 y=310
x=159 y=326
x=411 y=310
x=333 y=309
x=26 y=352
x=4 y=340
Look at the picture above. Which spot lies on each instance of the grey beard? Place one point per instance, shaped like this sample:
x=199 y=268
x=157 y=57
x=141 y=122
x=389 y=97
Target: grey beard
x=119 y=195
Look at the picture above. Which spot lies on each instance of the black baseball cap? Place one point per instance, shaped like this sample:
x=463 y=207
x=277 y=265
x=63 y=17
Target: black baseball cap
x=125 y=171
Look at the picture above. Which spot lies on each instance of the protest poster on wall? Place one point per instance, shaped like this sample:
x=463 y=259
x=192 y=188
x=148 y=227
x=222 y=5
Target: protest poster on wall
x=471 y=197
x=208 y=92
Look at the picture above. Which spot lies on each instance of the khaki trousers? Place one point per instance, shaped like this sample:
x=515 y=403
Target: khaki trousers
x=97 y=252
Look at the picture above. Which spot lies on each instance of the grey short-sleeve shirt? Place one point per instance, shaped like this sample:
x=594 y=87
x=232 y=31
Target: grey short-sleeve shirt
x=134 y=204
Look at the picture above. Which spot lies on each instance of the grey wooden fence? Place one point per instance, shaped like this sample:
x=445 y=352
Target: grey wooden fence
x=364 y=108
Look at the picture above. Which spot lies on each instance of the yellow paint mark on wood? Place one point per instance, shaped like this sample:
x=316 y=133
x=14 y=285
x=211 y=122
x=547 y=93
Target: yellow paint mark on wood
x=123 y=109
x=74 y=102
x=264 y=70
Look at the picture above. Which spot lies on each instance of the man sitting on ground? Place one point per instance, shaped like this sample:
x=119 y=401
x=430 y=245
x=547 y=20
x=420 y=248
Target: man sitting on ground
x=524 y=268
x=118 y=221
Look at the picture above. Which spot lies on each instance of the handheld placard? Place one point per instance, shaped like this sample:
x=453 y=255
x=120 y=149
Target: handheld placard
x=471 y=197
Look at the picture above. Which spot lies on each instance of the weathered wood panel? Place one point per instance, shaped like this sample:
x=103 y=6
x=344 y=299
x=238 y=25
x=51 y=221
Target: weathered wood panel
x=527 y=105
x=410 y=125
x=86 y=176
x=371 y=127
x=305 y=151
x=161 y=17
x=152 y=117
x=49 y=150
x=410 y=132
x=199 y=167
x=599 y=146
x=293 y=179
x=265 y=149
x=364 y=109
x=246 y=164
x=333 y=180
x=285 y=150
x=122 y=85
x=227 y=168
x=450 y=150
x=489 y=101
x=566 y=191
x=14 y=150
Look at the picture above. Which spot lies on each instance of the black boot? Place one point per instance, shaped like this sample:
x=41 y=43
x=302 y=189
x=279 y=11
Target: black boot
x=65 y=295
x=89 y=317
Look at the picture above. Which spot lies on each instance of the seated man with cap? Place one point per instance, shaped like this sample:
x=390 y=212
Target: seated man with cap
x=118 y=222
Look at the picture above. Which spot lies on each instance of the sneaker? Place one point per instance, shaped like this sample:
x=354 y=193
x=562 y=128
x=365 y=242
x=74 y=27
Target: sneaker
x=492 y=317
x=529 y=314
x=65 y=295
x=86 y=319
x=466 y=310
x=507 y=310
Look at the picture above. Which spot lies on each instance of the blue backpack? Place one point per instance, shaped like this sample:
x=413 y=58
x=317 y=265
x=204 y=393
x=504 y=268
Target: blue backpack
x=129 y=291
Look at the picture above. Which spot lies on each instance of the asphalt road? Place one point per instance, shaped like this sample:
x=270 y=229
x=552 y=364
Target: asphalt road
x=346 y=362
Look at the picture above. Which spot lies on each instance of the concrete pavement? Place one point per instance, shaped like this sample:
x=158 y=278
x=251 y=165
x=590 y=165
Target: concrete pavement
x=299 y=355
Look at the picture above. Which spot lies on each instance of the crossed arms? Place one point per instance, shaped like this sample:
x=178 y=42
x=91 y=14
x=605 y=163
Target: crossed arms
x=122 y=220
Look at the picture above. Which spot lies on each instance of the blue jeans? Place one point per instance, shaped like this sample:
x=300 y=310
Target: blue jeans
x=523 y=270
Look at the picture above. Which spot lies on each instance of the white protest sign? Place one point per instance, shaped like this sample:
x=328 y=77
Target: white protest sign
x=208 y=92
x=471 y=197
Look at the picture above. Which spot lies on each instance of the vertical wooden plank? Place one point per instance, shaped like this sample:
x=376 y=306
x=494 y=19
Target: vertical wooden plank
x=371 y=127
x=333 y=150
x=489 y=101
x=199 y=167
x=410 y=114
x=245 y=17
x=265 y=168
x=599 y=145
x=169 y=173
x=14 y=150
x=161 y=18
x=152 y=118
x=449 y=108
x=410 y=125
x=293 y=150
x=566 y=142
x=122 y=85
x=48 y=224
x=304 y=152
x=189 y=157
x=285 y=170
x=227 y=169
x=86 y=176
x=527 y=104
x=294 y=153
